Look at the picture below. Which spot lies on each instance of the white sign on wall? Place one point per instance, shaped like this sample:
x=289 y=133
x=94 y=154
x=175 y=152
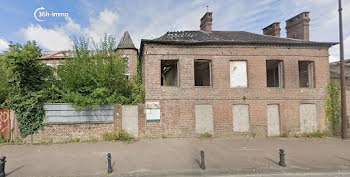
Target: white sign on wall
x=152 y=111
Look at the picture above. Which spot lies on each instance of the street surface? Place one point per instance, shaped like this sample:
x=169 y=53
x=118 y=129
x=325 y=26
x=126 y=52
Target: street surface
x=175 y=156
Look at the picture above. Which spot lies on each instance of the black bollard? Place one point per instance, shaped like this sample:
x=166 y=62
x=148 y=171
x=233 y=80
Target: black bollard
x=2 y=166
x=202 y=164
x=282 y=163
x=109 y=157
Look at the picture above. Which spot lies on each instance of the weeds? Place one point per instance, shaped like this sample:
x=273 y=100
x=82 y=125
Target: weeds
x=73 y=140
x=91 y=139
x=120 y=135
x=317 y=134
x=205 y=135
x=285 y=134
x=2 y=140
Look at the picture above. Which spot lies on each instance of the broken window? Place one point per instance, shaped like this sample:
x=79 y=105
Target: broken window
x=202 y=72
x=169 y=73
x=238 y=74
x=274 y=73
x=126 y=58
x=306 y=74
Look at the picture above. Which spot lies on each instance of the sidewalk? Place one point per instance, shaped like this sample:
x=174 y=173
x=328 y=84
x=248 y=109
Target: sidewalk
x=176 y=156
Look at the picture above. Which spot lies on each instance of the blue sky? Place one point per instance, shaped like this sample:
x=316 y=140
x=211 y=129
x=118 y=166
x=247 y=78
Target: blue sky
x=152 y=18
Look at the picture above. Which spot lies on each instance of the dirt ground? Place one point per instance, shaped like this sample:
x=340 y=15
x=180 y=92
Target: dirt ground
x=173 y=154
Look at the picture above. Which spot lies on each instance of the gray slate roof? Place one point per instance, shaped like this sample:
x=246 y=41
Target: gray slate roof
x=230 y=37
x=126 y=42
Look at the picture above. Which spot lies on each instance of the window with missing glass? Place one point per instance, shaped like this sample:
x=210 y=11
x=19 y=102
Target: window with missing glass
x=202 y=72
x=169 y=73
x=306 y=74
x=274 y=73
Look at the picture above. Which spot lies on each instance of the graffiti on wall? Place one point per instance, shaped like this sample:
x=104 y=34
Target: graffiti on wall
x=5 y=123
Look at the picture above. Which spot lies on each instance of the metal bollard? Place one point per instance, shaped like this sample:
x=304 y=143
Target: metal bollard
x=282 y=163
x=2 y=166
x=109 y=157
x=202 y=164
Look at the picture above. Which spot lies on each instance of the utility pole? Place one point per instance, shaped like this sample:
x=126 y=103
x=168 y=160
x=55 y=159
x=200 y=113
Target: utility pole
x=344 y=119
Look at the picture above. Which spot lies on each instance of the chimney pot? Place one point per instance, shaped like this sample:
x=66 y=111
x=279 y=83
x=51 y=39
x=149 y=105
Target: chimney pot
x=298 y=26
x=206 y=22
x=273 y=29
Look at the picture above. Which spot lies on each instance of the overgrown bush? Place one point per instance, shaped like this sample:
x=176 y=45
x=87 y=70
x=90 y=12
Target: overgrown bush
x=27 y=81
x=333 y=108
x=94 y=75
x=120 y=135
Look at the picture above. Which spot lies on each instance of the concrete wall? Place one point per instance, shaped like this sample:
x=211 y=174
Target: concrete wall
x=130 y=119
x=178 y=103
x=65 y=113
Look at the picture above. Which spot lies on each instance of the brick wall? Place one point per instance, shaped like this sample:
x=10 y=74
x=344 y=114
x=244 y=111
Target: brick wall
x=132 y=53
x=177 y=103
x=63 y=132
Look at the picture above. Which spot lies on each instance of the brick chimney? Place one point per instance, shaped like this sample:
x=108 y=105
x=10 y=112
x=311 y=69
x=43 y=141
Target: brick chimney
x=298 y=27
x=206 y=22
x=273 y=29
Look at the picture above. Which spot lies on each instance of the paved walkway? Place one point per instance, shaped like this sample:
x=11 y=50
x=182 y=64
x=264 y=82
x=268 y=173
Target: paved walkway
x=171 y=156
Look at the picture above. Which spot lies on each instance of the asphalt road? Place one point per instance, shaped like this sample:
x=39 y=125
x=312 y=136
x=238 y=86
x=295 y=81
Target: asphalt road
x=295 y=175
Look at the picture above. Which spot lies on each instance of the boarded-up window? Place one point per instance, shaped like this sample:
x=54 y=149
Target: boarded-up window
x=306 y=74
x=204 y=118
x=238 y=74
x=152 y=111
x=274 y=73
x=240 y=118
x=169 y=76
x=202 y=72
x=130 y=119
x=308 y=118
x=273 y=120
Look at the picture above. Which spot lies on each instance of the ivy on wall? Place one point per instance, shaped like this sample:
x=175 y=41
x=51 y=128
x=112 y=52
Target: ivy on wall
x=333 y=108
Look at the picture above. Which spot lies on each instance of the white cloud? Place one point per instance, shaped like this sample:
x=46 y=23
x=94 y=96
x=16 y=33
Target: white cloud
x=106 y=22
x=3 y=45
x=58 y=37
x=51 y=39
x=334 y=51
x=151 y=19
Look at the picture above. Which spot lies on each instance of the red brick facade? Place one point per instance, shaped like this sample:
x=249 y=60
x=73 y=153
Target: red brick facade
x=177 y=103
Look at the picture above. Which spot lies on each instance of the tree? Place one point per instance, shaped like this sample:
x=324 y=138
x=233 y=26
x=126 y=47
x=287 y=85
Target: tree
x=4 y=85
x=28 y=79
x=96 y=76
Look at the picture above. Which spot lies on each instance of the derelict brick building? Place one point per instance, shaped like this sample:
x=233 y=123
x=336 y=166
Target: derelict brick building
x=233 y=82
